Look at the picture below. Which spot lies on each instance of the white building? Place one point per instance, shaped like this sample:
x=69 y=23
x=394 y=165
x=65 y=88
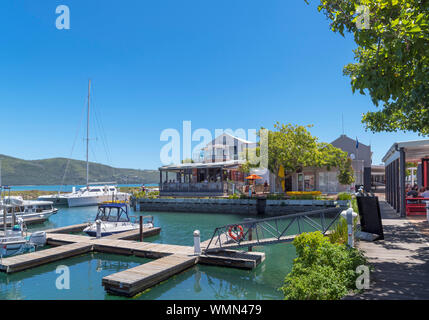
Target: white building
x=225 y=148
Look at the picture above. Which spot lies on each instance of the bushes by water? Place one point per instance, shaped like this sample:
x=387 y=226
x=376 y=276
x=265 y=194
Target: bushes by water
x=322 y=270
x=344 y=196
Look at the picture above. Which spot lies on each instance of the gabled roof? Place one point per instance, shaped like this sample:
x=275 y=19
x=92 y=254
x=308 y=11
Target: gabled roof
x=233 y=137
x=344 y=137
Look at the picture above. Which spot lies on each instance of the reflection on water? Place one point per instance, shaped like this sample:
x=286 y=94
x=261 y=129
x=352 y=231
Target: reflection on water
x=200 y=282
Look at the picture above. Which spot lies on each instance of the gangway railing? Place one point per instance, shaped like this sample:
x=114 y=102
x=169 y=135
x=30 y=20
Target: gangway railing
x=272 y=230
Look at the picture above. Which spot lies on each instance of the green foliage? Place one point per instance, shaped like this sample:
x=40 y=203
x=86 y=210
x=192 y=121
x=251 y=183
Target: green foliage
x=339 y=233
x=392 y=59
x=234 y=196
x=346 y=173
x=322 y=270
x=276 y=196
x=304 y=197
x=344 y=196
x=294 y=148
x=148 y=194
x=355 y=206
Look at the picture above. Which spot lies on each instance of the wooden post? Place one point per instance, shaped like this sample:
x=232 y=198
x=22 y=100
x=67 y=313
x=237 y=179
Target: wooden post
x=250 y=238
x=141 y=228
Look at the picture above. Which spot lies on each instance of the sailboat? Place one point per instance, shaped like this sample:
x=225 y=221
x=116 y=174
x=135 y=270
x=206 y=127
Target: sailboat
x=94 y=193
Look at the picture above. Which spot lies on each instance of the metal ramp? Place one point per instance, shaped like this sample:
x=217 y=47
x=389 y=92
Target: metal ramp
x=273 y=230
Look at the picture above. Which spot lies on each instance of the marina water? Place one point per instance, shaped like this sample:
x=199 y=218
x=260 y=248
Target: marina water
x=200 y=282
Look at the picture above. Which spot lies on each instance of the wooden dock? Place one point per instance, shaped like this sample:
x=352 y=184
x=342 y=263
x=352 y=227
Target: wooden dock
x=170 y=259
x=400 y=261
x=70 y=229
x=132 y=281
x=34 y=259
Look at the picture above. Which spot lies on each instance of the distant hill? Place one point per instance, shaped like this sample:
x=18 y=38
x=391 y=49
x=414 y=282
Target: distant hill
x=16 y=171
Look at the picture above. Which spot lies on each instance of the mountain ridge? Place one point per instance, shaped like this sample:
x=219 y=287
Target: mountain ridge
x=16 y=171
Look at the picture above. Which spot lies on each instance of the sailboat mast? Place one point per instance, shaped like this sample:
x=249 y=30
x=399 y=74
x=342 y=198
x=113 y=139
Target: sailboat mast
x=87 y=136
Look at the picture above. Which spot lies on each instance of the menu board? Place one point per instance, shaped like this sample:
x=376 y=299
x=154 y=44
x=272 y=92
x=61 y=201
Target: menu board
x=370 y=216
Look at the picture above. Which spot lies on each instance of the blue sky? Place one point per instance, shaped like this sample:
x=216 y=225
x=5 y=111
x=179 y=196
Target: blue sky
x=220 y=64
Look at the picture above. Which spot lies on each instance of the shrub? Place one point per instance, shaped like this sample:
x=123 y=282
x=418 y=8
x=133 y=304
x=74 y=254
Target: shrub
x=275 y=196
x=303 y=193
x=322 y=270
x=344 y=196
x=234 y=196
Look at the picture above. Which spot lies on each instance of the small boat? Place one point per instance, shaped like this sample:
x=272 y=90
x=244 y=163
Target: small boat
x=113 y=217
x=94 y=195
x=26 y=209
x=90 y=195
x=15 y=241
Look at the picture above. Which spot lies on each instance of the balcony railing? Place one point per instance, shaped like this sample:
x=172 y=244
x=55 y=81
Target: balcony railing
x=201 y=187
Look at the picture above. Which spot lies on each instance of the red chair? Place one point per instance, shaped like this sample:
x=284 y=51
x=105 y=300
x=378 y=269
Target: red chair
x=416 y=206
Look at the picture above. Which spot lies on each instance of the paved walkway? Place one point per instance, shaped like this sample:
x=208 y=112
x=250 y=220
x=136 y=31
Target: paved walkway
x=400 y=261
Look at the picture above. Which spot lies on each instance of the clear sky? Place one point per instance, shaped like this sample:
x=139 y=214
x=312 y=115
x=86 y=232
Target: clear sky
x=156 y=63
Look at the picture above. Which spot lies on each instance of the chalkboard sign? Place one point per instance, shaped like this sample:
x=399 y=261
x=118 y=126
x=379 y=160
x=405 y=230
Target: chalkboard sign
x=370 y=216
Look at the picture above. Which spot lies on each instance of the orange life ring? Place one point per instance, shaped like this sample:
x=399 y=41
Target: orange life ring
x=238 y=235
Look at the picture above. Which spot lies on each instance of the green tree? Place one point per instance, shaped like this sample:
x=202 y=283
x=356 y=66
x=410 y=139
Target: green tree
x=392 y=59
x=294 y=148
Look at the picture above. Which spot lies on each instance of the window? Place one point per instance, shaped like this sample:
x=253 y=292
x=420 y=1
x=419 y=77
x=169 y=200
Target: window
x=328 y=181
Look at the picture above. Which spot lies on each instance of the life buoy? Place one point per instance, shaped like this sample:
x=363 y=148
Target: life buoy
x=238 y=230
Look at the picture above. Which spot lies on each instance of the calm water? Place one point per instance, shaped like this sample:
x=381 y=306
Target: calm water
x=67 y=188
x=199 y=282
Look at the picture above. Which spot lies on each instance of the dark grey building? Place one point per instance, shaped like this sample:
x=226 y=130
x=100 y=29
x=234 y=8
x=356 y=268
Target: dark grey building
x=361 y=155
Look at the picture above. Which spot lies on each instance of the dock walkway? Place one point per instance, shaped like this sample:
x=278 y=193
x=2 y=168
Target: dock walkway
x=132 y=281
x=170 y=259
x=34 y=259
x=400 y=261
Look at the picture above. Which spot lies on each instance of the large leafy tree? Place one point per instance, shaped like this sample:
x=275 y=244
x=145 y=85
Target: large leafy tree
x=392 y=59
x=294 y=148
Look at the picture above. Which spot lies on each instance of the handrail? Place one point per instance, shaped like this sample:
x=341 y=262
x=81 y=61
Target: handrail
x=271 y=226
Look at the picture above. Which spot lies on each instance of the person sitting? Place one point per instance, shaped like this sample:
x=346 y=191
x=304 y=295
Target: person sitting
x=425 y=194
x=413 y=193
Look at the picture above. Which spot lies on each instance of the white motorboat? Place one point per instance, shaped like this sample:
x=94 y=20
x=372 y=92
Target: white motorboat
x=59 y=199
x=113 y=218
x=94 y=195
x=26 y=209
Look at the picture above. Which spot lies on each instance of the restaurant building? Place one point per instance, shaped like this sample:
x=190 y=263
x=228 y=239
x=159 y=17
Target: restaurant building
x=395 y=161
x=214 y=172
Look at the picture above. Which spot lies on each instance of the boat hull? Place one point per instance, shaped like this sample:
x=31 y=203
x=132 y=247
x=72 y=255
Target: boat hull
x=85 y=201
x=28 y=216
x=92 y=230
x=59 y=201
